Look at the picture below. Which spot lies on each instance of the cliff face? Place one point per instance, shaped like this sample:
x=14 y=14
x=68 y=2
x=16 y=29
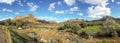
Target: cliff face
x=27 y=19
x=2 y=36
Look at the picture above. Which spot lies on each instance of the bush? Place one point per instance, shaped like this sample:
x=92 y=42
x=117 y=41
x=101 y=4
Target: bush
x=8 y=22
x=83 y=25
x=84 y=35
x=19 y=24
x=110 y=27
x=71 y=27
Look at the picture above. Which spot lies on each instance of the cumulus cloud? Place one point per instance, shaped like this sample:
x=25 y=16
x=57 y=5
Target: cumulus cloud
x=19 y=3
x=59 y=3
x=59 y=12
x=65 y=19
x=52 y=6
x=98 y=11
x=96 y=2
x=112 y=0
x=73 y=9
x=80 y=14
x=70 y=2
x=7 y=1
x=69 y=11
x=17 y=13
x=7 y=10
x=118 y=2
x=32 y=6
x=45 y=17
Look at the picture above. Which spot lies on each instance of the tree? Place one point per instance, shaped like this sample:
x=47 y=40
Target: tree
x=19 y=24
x=110 y=26
x=8 y=22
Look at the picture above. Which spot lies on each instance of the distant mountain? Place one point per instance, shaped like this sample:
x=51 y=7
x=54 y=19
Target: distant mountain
x=77 y=20
x=101 y=21
x=106 y=17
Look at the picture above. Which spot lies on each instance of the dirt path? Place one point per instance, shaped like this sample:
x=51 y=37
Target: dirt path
x=2 y=36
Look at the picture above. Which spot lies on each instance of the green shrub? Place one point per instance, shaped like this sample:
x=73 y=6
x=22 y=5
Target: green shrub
x=71 y=27
x=19 y=24
x=84 y=35
x=83 y=25
x=110 y=26
x=8 y=22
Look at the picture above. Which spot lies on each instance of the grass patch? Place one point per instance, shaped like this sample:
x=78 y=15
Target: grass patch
x=91 y=29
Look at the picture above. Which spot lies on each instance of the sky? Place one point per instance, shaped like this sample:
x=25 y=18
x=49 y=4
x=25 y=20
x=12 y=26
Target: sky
x=60 y=10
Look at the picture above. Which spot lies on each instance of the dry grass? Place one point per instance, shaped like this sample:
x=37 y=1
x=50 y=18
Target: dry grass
x=47 y=34
x=105 y=40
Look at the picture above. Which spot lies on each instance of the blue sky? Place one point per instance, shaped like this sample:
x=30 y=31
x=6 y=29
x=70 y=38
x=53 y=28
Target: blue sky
x=60 y=10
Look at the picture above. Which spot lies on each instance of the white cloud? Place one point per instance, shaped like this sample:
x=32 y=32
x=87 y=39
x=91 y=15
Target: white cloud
x=7 y=1
x=5 y=18
x=70 y=2
x=45 y=17
x=96 y=2
x=32 y=6
x=6 y=10
x=65 y=19
x=59 y=3
x=98 y=11
x=52 y=6
x=80 y=14
x=112 y=0
x=118 y=2
x=19 y=3
x=59 y=12
x=17 y=13
x=69 y=11
x=73 y=9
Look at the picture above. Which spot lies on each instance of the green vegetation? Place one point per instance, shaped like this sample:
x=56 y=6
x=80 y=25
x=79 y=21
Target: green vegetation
x=19 y=24
x=19 y=38
x=110 y=26
x=83 y=24
x=70 y=27
x=91 y=29
x=8 y=22
x=74 y=30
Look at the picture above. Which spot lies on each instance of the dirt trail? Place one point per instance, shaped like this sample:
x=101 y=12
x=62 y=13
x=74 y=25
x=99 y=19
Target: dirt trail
x=2 y=36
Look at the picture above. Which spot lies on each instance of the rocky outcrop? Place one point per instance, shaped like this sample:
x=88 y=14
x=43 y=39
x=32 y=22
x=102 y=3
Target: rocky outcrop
x=77 y=20
x=30 y=19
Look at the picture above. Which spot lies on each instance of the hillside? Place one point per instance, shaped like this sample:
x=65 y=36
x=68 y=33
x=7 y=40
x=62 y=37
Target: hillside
x=73 y=30
x=30 y=19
